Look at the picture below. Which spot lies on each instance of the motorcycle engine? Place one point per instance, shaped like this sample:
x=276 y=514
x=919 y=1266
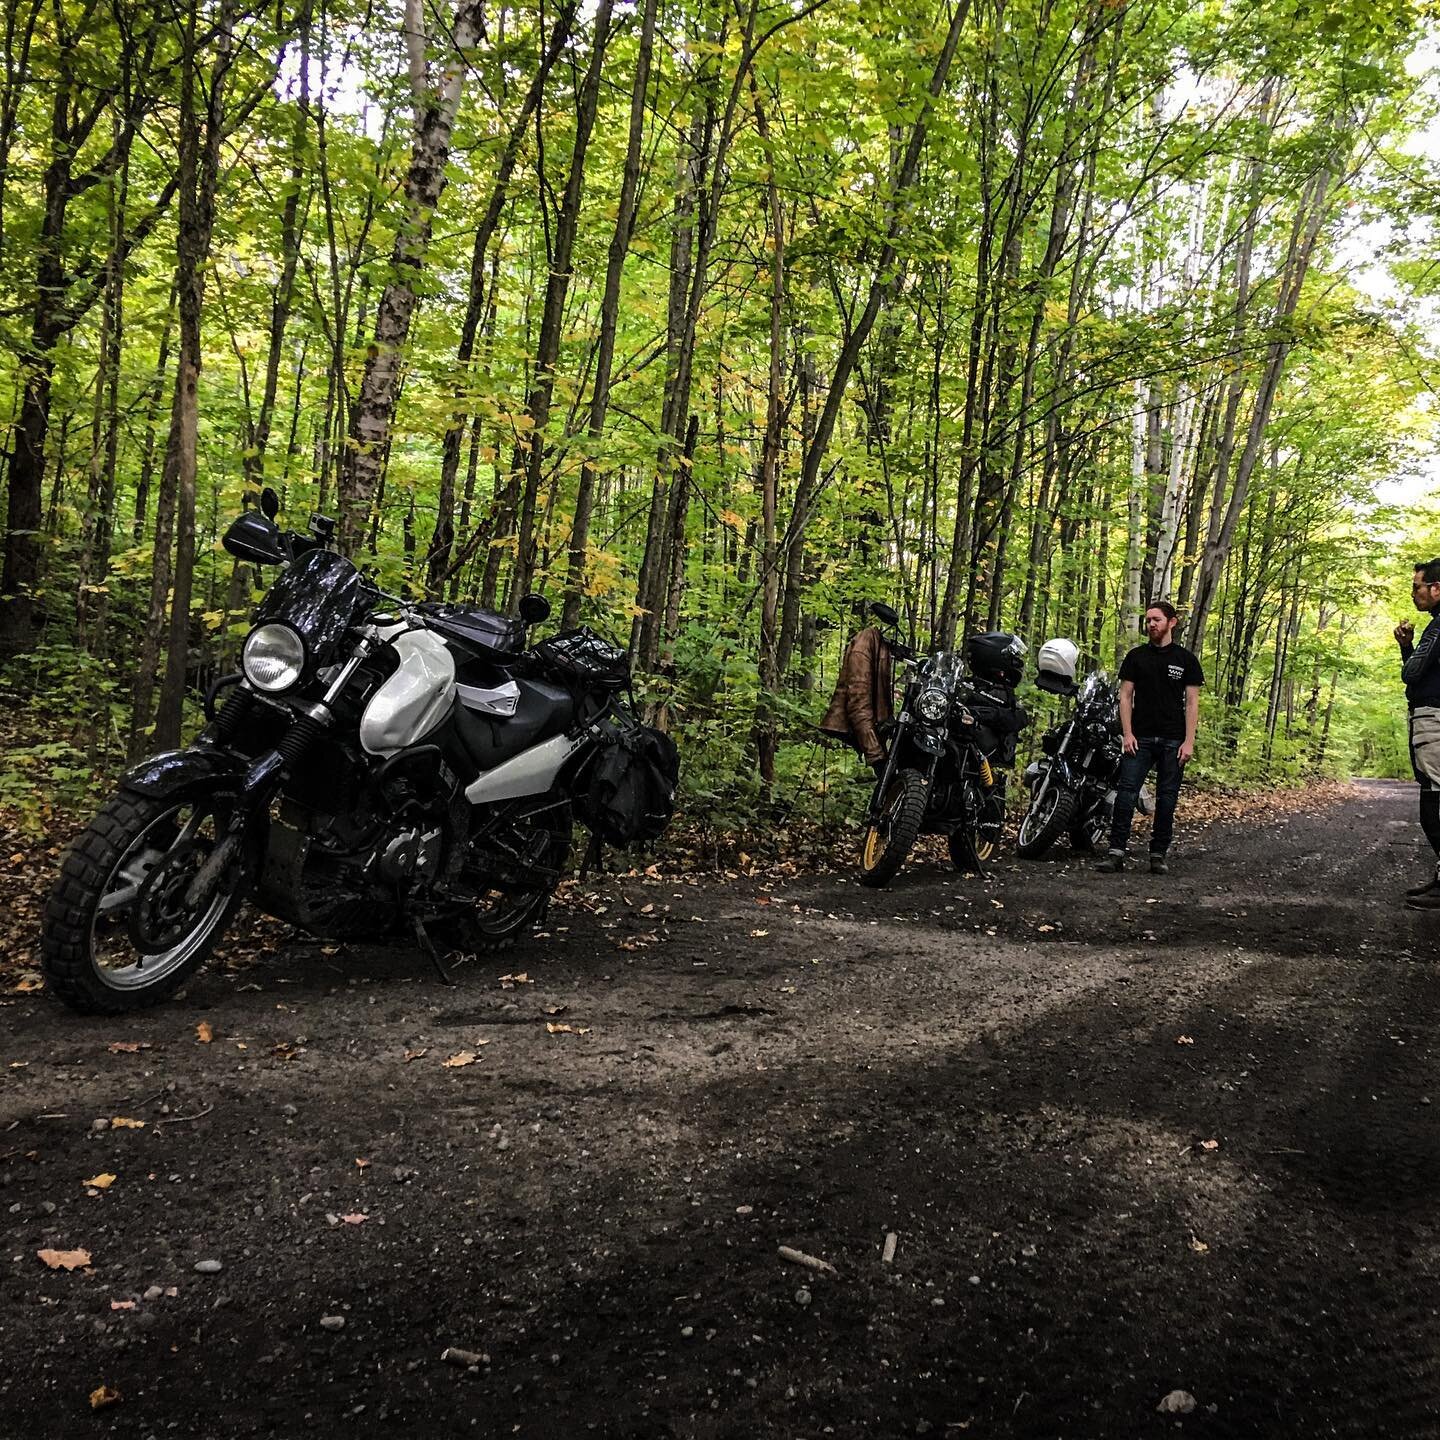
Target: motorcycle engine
x=409 y=853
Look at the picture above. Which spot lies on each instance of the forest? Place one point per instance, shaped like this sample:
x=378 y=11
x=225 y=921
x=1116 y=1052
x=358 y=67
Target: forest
x=712 y=321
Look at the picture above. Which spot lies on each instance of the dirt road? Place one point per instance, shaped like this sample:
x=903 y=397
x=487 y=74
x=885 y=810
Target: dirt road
x=1132 y=1136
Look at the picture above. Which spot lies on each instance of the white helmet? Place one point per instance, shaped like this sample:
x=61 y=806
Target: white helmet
x=1056 y=664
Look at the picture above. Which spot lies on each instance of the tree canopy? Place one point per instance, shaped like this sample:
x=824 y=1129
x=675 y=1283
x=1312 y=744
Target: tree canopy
x=715 y=319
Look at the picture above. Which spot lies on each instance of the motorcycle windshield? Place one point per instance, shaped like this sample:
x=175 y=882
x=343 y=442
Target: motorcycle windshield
x=320 y=596
x=942 y=671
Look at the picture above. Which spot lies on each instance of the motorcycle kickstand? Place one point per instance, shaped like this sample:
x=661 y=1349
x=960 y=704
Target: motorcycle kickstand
x=422 y=938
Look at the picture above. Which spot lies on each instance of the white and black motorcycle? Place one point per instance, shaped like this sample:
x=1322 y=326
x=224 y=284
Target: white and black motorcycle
x=376 y=766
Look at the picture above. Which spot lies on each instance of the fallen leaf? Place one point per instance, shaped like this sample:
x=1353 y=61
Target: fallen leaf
x=65 y=1259
x=1046 y=929
x=416 y=1054
x=1198 y=1246
x=648 y=909
x=758 y=934
x=361 y=1164
x=509 y=982
x=556 y=1009
x=99 y=1182
x=465 y=1057
x=128 y=1047
x=204 y=1032
x=104 y=1396
x=357 y=1218
x=123 y=1122
x=1209 y=1144
x=27 y=984
x=122 y=1304
x=1183 y=1040
x=564 y=1029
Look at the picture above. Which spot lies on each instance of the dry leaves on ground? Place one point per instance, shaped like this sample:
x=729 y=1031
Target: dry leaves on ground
x=564 y=1029
x=103 y=1396
x=100 y=1182
x=204 y=1032
x=124 y=1122
x=465 y=1057
x=65 y=1259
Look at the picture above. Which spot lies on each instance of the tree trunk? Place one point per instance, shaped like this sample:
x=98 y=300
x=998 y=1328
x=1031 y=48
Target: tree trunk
x=199 y=174
x=609 y=320
x=374 y=409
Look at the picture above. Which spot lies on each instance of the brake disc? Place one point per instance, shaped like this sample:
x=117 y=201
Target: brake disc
x=160 y=918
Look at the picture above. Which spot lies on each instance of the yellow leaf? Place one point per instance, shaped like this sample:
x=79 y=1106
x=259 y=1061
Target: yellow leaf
x=123 y=1122
x=65 y=1259
x=204 y=1032
x=465 y=1057
x=100 y=1182
x=103 y=1396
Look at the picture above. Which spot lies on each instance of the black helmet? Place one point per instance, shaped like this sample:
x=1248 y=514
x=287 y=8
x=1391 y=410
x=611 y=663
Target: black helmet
x=996 y=655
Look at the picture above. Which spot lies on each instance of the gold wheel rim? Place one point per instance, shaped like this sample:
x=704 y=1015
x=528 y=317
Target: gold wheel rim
x=985 y=849
x=874 y=848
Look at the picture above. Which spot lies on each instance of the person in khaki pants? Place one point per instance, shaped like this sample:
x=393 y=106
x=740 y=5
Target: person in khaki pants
x=1420 y=671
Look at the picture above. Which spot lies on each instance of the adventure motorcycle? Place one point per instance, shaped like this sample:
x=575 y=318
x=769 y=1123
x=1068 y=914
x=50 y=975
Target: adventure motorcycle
x=956 y=726
x=375 y=764
x=1072 y=785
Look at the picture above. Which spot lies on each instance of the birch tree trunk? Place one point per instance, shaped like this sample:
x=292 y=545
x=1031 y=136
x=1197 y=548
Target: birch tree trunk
x=374 y=410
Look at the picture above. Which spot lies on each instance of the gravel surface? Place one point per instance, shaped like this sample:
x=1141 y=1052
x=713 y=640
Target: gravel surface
x=1140 y=1142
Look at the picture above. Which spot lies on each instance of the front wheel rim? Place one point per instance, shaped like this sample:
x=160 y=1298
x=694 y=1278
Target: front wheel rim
x=110 y=937
x=1037 y=817
x=877 y=837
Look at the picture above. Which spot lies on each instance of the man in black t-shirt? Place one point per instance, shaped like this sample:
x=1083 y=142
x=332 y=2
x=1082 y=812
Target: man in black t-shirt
x=1420 y=670
x=1159 y=711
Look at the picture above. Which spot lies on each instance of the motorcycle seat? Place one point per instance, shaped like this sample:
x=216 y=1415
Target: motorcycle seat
x=543 y=712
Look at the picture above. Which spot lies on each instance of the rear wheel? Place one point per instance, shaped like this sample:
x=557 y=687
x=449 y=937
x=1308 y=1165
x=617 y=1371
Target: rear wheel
x=124 y=925
x=972 y=848
x=889 y=839
x=1091 y=831
x=1047 y=819
x=503 y=912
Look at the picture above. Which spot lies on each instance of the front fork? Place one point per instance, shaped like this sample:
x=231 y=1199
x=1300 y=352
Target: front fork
x=261 y=782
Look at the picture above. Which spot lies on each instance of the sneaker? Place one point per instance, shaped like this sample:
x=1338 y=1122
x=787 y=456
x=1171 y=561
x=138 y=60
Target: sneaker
x=1426 y=900
x=1158 y=865
x=1431 y=886
x=1114 y=861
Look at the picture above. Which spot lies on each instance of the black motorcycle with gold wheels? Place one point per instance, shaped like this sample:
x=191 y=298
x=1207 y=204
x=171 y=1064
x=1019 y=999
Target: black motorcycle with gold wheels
x=942 y=773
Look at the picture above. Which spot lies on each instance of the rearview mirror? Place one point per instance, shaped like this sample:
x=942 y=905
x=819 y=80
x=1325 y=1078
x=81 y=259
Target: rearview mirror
x=881 y=611
x=534 y=609
x=269 y=502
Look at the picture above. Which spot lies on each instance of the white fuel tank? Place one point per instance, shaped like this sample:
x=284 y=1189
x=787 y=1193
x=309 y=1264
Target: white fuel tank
x=415 y=699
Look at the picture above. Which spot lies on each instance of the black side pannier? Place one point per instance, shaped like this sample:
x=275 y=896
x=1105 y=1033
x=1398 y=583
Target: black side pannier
x=584 y=656
x=631 y=795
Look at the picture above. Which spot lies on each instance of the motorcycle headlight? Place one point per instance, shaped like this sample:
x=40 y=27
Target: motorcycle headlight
x=933 y=705
x=273 y=658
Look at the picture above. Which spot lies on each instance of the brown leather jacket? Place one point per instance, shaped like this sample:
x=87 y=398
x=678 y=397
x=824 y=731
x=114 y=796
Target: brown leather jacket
x=863 y=695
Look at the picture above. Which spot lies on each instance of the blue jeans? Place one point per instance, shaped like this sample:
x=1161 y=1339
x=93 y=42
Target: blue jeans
x=1164 y=756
